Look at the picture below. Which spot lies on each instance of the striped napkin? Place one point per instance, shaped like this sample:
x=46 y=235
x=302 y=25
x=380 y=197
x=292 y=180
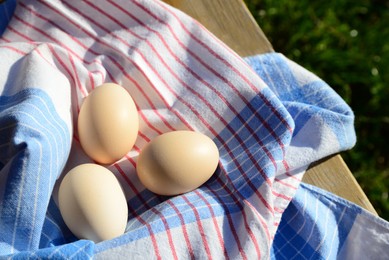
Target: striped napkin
x=269 y=117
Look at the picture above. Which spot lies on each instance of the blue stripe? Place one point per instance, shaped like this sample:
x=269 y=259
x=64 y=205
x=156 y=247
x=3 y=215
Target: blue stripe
x=293 y=248
x=315 y=225
x=35 y=143
x=252 y=144
x=315 y=98
x=221 y=203
x=82 y=249
x=54 y=231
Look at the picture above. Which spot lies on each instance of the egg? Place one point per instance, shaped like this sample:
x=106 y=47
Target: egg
x=108 y=123
x=92 y=203
x=177 y=162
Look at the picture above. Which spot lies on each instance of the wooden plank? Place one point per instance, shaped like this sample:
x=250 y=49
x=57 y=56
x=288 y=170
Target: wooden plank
x=232 y=22
x=332 y=174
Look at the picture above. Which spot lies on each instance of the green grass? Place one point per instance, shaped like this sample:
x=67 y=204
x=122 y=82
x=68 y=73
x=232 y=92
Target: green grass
x=346 y=43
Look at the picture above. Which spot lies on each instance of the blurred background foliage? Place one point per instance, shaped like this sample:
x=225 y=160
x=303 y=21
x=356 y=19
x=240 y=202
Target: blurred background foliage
x=346 y=43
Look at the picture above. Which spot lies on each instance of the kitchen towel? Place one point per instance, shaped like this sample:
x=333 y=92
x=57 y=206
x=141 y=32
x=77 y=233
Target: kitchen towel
x=269 y=117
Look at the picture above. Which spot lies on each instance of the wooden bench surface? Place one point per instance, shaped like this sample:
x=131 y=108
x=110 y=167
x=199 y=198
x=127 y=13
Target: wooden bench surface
x=232 y=22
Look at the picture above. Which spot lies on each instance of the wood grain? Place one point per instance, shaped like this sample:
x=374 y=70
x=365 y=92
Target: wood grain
x=332 y=174
x=231 y=21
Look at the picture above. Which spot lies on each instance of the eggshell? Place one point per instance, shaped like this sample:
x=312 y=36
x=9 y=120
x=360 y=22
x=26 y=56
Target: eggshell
x=108 y=123
x=92 y=203
x=177 y=162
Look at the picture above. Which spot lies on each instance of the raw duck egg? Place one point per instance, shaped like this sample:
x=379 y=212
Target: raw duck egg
x=177 y=162
x=108 y=123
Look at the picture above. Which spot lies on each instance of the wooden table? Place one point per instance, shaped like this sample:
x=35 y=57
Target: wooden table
x=232 y=22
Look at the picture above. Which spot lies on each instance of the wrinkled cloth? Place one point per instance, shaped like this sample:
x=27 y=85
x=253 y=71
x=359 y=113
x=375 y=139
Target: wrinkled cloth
x=269 y=117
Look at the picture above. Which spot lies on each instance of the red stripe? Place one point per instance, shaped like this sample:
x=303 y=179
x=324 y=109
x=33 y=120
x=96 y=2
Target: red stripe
x=285 y=163
x=91 y=77
x=146 y=138
x=285 y=184
x=78 y=82
x=196 y=75
x=130 y=184
x=169 y=235
x=239 y=74
x=236 y=198
x=283 y=196
x=192 y=72
x=76 y=137
x=10 y=28
x=255 y=165
x=77 y=102
x=154 y=210
x=2 y=38
x=178 y=97
x=293 y=176
x=219 y=235
x=49 y=36
x=149 y=12
x=260 y=196
x=251 y=234
x=239 y=203
x=183 y=226
x=155 y=110
x=61 y=62
x=111 y=59
x=145 y=119
x=153 y=239
x=246 y=80
x=212 y=52
x=92 y=83
x=279 y=210
x=205 y=83
x=200 y=226
x=247 y=180
x=119 y=66
x=182 y=100
x=14 y=49
x=51 y=48
x=182 y=119
x=228 y=214
x=152 y=236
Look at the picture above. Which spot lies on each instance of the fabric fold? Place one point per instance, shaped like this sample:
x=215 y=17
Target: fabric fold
x=269 y=117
